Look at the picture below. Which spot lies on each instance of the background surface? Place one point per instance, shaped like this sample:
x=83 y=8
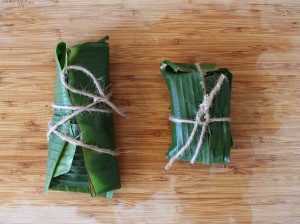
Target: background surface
x=258 y=42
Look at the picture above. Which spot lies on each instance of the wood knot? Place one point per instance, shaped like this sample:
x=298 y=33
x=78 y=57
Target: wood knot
x=157 y=134
x=32 y=126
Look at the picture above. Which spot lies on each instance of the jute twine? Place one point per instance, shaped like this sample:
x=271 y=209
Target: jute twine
x=99 y=98
x=202 y=112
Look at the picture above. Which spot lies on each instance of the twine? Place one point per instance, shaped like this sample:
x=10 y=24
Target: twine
x=202 y=112
x=99 y=98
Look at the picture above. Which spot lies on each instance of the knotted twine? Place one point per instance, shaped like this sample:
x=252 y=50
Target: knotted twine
x=202 y=112
x=99 y=98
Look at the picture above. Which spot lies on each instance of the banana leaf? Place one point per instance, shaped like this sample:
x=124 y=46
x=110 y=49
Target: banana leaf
x=74 y=168
x=185 y=87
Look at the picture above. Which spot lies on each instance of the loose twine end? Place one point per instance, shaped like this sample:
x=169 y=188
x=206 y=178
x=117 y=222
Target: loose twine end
x=170 y=163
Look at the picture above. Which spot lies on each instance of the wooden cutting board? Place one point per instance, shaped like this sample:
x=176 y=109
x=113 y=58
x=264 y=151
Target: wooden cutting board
x=258 y=42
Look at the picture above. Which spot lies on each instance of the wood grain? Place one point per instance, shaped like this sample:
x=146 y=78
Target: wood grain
x=258 y=42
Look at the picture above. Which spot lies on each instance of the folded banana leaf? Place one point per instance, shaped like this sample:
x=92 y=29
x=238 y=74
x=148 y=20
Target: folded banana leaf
x=185 y=87
x=75 y=168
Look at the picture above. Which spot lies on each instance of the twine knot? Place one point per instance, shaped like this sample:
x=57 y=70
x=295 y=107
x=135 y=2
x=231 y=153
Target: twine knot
x=101 y=97
x=202 y=118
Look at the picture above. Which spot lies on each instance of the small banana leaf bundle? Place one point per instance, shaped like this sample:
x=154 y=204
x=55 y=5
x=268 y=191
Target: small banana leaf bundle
x=72 y=166
x=189 y=99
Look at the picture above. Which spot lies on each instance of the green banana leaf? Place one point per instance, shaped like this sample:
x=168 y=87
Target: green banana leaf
x=74 y=168
x=185 y=87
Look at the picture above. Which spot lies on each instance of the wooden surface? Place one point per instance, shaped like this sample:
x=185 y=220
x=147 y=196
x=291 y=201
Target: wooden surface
x=258 y=42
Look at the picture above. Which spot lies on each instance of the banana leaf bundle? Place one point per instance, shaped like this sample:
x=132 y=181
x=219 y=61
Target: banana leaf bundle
x=72 y=166
x=189 y=98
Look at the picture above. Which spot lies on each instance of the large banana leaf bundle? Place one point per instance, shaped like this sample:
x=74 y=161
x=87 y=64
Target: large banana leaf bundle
x=72 y=167
x=184 y=82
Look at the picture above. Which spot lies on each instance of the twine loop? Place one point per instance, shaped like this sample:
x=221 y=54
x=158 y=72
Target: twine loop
x=101 y=97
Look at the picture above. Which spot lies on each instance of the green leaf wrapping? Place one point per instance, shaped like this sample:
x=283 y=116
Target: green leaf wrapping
x=74 y=168
x=185 y=87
